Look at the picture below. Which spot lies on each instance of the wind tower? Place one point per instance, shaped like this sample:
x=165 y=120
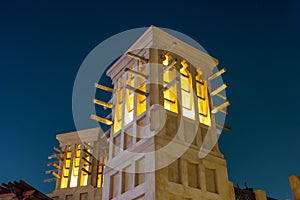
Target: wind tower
x=77 y=166
x=162 y=117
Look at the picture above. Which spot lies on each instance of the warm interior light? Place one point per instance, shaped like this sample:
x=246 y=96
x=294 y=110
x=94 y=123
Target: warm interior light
x=141 y=85
x=66 y=168
x=85 y=165
x=167 y=59
x=75 y=167
x=101 y=166
x=129 y=100
x=187 y=100
x=203 y=100
x=118 y=105
x=170 y=95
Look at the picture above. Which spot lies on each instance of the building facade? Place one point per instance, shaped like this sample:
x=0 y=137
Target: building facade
x=162 y=143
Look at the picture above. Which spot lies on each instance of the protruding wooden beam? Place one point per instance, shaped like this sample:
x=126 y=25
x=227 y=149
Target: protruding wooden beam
x=55 y=156
x=219 y=89
x=137 y=90
x=56 y=166
x=171 y=64
x=52 y=163
x=170 y=84
x=219 y=73
x=106 y=134
x=86 y=171
x=137 y=57
x=101 y=120
x=56 y=175
x=50 y=171
x=227 y=128
x=136 y=73
x=221 y=107
x=86 y=161
x=58 y=150
x=102 y=87
x=86 y=151
x=49 y=180
x=87 y=144
x=164 y=52
x=221 y=96
x=224 y=111
x=102 y=103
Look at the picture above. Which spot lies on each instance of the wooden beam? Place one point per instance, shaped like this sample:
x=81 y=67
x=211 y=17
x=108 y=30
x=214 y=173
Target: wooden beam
x=58 y=150
x=219 y=89
x=105 y=88
x=137 y=90
x=170 y=84
x=86 y=171
x=219 y=73
x=101 y=120
x=136 y=73
x=171 y=64
x=102 y=103
x=227 y=128
x=221 y=107
x=55 y=175
x=137 y=57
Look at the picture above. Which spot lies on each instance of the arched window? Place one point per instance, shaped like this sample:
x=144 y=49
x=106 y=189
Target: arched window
x=170 y=94
x=118 y=106
x=203 y=99
x=187 y=100
x=129 y=100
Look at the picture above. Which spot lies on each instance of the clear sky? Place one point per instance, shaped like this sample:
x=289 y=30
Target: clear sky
x=43 y=43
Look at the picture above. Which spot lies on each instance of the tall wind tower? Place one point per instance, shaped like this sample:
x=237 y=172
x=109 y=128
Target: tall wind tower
x=163 y=136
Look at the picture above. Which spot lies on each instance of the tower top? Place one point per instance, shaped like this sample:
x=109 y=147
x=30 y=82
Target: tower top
x=157 y=38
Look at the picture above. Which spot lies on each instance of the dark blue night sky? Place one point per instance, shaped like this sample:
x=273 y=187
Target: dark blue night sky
x=43 y=43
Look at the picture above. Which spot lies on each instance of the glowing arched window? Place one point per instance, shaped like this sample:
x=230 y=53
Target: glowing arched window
x=129 y=100
x=66 y=168
x=118 y=106
x=187 y=100
x=170 y=94
x=203 y=100
x=85 y=164
x=141 y=85
x=75 y=167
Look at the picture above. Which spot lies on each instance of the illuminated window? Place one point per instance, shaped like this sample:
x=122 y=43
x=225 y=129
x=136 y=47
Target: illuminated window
x=141 y=85
x=170 y=95
x=118 y=106
x=75 y=167
x=203 y=100
x=129 y=100
x=85 y=164
x=187 y=99
x=100 y=177
x=66 y=168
